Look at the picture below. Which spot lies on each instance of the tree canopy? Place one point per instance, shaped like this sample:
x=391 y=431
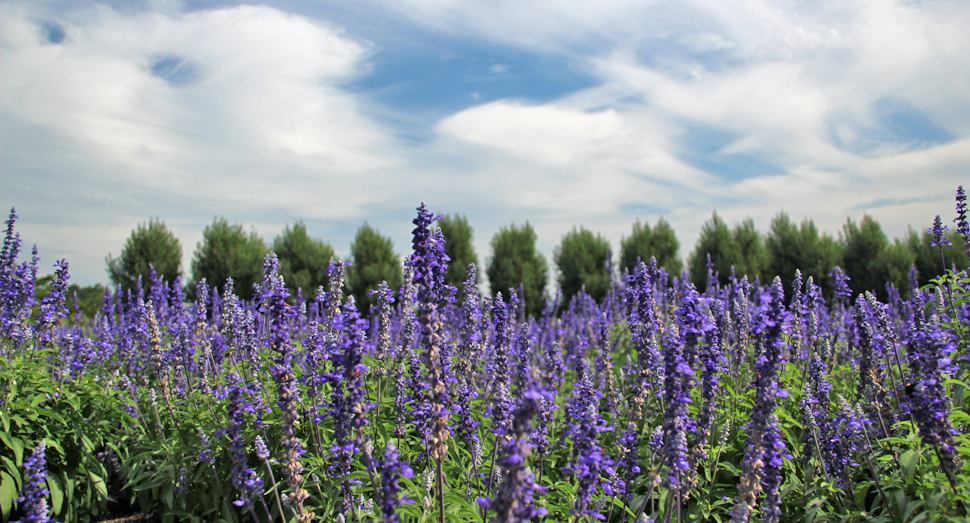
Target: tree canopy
x=372 y=261
x=743 y=249
x=515 y=262
x=792 y=248
x=226 y=251
x=303 y=260
x=150 y=244
x=582 y=260
x=458 y=245
x=644 y=243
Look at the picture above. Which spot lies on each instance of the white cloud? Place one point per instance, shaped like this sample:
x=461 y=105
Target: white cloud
x=244 y=115
x=250 y=117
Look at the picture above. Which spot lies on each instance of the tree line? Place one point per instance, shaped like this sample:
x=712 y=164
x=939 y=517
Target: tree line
x=583 y=259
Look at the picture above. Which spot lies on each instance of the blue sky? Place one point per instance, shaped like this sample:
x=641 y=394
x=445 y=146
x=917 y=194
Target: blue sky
x=557 y=112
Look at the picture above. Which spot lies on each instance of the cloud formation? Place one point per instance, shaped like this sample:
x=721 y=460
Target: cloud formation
x=823 y=109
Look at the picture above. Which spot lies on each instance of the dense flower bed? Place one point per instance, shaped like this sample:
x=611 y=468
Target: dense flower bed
x=663 y=403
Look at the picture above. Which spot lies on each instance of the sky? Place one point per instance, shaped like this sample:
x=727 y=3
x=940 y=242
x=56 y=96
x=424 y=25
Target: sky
x=557 y=112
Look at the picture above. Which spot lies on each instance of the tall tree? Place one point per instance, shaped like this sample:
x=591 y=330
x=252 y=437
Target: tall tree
x=582 y=258
x=862 y=244
x=792 y=248
x=303 y=260
x=458 y=246
x=644 y=243
x=743 y=249
x=372 y=261
x=515 y=262
x=226 y=251
x=150 y=244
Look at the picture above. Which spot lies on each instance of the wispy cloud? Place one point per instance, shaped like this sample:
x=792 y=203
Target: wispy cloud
x=555 y=112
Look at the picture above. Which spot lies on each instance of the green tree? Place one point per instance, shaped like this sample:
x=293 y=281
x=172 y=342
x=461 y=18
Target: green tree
x=743 y=248
x=582 y=259
x=226 y=251
x=458 y=245
x=892 y=265
x=792 y=248
x=862 y=244
x=151 y=243
x=303 y=260
x=515 y=262
x=372 y=261
x=927 y=259
x=660 y=242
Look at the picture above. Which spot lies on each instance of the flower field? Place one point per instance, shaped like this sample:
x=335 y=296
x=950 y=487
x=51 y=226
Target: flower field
x=739 y=402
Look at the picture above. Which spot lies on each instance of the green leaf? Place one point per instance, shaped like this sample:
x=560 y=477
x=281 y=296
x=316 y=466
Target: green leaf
x=908 y=461
x=8 y=493
x=16 y=445
x=99 y=485
x=57 y=494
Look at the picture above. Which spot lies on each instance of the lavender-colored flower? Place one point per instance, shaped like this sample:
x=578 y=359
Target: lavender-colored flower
x=32 y=501
x=52 y=307
x=765 y=452
x=963 y=227
x=244 y=478
x=591 y=467
x=349 y=397
x=677 y=374
x=392 y=469
x=937 y=232
x=16 y=286
x=929 y=357
x=514 y=499
x=430 y=264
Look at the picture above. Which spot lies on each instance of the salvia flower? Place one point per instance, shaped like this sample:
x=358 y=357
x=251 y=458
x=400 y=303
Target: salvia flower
x=937 y=231
x=32 y=500
x=514 y=499
x=963 y=227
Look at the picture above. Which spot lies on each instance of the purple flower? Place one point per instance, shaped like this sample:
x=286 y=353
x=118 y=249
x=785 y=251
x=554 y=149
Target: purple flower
x=33 y=503
x=392 y=469
x=514 y=499
x=430 y=264
x=16 y=286
x=765 y=451
x=592 y=467
x=52 y=307
x=937 y=231
x=963 y=228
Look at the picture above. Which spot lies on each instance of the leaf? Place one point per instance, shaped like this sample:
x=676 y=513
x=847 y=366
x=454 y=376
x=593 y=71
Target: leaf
x=99 y=486
x=8 y=493
x=908 y=461
x=57 y=494
x=16 y=445
x=12 y=470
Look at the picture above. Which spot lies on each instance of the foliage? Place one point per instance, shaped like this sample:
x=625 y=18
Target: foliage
x=582 y=260
x=303 y=260
x=150 y=244
x=927 y=259
x=226 y=251
x=740 y=251
x=644 y=242
x=515 y=263
x=792 y=248
x=372 y=261
x=458 y=245
x=861 y=245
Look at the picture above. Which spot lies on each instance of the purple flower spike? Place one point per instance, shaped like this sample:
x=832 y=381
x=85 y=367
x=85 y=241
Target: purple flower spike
x=961 y=220
x=392 y=469
x=937 y=230
x=32 y=501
